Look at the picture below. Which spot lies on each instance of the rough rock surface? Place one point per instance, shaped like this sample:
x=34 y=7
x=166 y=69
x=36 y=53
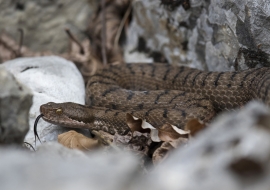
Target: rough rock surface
x=55 y=167
x=44 y=21
x=52 y=79
x=233 y=153
x=15 y=102
x=211 y=35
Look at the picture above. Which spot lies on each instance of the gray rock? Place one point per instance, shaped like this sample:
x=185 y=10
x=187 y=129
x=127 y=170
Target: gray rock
x=52 y=79
x=15 y=102
x=55 y=167
x=233 y=153
x=215 y=35
x=44 y=21
x=156 y=29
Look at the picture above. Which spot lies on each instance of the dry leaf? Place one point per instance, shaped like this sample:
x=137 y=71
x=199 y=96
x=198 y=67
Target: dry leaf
x=161 y=152
x=179 y=142
x=74 y=140
x=136 y=124
x=168 y=133
x=194 y=126
x=141 y=125
x=8 y=48
x=114 y=18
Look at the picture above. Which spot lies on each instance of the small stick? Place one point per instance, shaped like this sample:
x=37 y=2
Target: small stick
x=20 y=42
x=121 y=26
x=103 y=32
x=8 y=47
x=72 y=37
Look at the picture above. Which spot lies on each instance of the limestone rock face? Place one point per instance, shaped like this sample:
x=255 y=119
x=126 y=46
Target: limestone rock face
x=217 y=35
x=52 y=79
x=15 y=102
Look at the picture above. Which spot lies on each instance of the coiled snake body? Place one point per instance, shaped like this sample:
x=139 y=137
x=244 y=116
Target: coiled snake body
x=158 y=93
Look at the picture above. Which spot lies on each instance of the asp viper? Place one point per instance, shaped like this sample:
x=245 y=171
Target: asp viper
x=158 y=93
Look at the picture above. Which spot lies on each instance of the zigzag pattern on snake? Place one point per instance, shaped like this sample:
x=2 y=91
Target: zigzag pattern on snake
x=159 y=93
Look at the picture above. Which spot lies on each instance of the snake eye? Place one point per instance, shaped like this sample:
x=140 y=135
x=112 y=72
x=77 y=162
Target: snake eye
x=59 y=111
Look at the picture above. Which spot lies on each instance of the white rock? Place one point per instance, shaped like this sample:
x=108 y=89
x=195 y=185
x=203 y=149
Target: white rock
x=54 y=167
x=52 y=79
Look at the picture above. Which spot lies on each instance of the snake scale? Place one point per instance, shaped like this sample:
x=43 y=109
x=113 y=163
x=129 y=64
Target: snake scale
x=158 y=93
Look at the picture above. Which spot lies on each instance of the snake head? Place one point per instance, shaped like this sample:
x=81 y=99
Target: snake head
x=67 y=114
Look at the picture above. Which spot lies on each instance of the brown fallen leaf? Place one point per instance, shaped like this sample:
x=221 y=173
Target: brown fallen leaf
x=179 y=142
x=74 y=140
x=194 y=126
x=169 y=133
x=166 y=133
x=136 y=124
x=161 y=152
x=113 y=18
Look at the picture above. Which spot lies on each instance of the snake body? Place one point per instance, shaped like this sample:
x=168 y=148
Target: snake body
x=158 y=93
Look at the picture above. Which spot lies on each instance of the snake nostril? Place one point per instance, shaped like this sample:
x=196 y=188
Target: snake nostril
x=42 y=109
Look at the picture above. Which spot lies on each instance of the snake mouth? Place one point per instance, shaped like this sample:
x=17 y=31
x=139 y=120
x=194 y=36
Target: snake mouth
x=56 y=121
x=65 y=121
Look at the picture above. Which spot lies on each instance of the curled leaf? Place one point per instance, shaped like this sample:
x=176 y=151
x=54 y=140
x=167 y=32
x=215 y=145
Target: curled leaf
x=113 y=14
x=140 y=125
x=155 y=135
x=166 y=133
x=137 y=124
x=169 y=133
x=161 y=152
x=194 y=126
x=179 y=142
x=74 y=140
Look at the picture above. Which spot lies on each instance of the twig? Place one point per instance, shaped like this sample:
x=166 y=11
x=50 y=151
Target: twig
x=72 y=37
x=20 y=42
x=121 y=26
x=103 y=32
x=8 y=47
